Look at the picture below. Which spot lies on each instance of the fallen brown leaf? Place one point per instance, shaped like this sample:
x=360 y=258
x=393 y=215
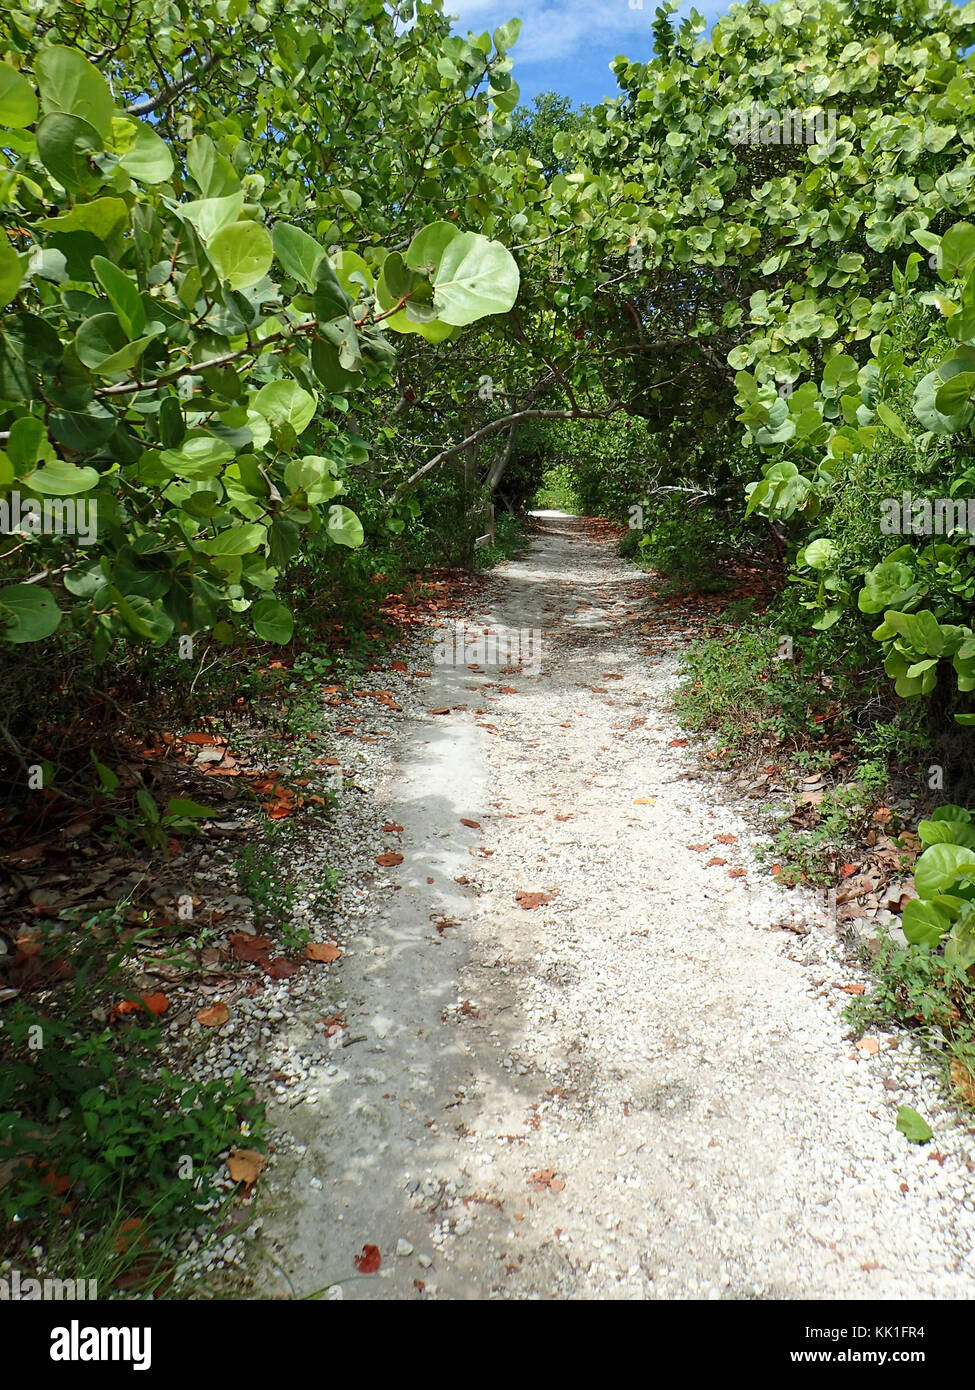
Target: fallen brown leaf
x=322 y=951
x=530 y=901
x=368 y=1260
x=544 y=1179
x=215 y=1015
x=246 y=1165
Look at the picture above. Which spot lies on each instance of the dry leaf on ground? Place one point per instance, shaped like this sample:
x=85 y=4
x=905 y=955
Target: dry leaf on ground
x=322 y=951
x=215 y=1015
x=368 y=1260
x=529 y=901
x=246 y=1165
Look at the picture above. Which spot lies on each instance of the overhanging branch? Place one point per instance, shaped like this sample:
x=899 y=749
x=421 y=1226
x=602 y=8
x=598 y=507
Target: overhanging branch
x=505 y=422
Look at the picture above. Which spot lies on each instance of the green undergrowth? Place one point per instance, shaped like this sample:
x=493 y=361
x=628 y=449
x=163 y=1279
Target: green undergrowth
x=107 y=1155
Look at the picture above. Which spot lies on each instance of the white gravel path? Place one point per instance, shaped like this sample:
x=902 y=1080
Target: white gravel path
x=671 y=1067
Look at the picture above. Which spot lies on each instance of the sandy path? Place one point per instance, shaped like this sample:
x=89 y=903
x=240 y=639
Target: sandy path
x=640 y=1089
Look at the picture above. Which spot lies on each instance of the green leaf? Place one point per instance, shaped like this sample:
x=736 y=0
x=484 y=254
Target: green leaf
x=28 y=613
x=820 y=554
x=955 y=395
x=123 y=293
x=940 y=867
x=926 y=394
x=913 y=1126
x=108 y=780
x=18 y=104
x=949 y=811
x=65 y=145
x=61 y=479
x=148 y=159
x=325 y=364
x=298 y=253
x=886 y=584
x=474 y=278
x=101 y=345
x=344 y=527
x=273 y=621
x=69 y=83
x=183 y=807
x=314 y=476
x=242 y=254
x=143 y=617
x=210 y=215
x=924 y=923
x=427 y=248
x=893 y=422
x=946 y=832
x=198 y=457
x=102 y=218
x=215 y=176
x=236 y=540
x=506 y=98
x=506 y=34
x=957 y=250
x=349 y=265
x=285 y=403
x=330 y=299
x=11 y=271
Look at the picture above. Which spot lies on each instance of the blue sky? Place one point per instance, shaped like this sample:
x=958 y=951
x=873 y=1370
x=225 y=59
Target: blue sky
x=566 y=46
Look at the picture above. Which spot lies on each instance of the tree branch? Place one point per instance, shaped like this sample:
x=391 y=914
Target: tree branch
x=168 y=95
x=505 y=422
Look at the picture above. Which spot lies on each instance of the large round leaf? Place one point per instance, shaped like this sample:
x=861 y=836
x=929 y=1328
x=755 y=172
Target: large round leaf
x=27 y=613
x=926 y=397
x=957 y=250
x=940 y=867
x=924 y=923
x=285 y=403
x=427 y=248
x=273 y=622
x=314 y=476
x=475 y=277
x=344 y=527
x=242 y=254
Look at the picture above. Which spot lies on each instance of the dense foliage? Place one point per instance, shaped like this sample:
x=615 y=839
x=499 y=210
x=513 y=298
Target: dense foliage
x=290 y=291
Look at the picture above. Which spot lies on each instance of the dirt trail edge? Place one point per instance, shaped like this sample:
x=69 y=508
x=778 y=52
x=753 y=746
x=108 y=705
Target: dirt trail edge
x=635 y=1086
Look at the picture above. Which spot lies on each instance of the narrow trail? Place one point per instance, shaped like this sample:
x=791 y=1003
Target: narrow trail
x=640 y=1088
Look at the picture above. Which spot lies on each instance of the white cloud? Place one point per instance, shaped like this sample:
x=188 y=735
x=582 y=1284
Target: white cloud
x=554 y=29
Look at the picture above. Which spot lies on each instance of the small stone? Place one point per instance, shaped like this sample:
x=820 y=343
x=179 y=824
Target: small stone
x=403 y=1247
x=424 y=1261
